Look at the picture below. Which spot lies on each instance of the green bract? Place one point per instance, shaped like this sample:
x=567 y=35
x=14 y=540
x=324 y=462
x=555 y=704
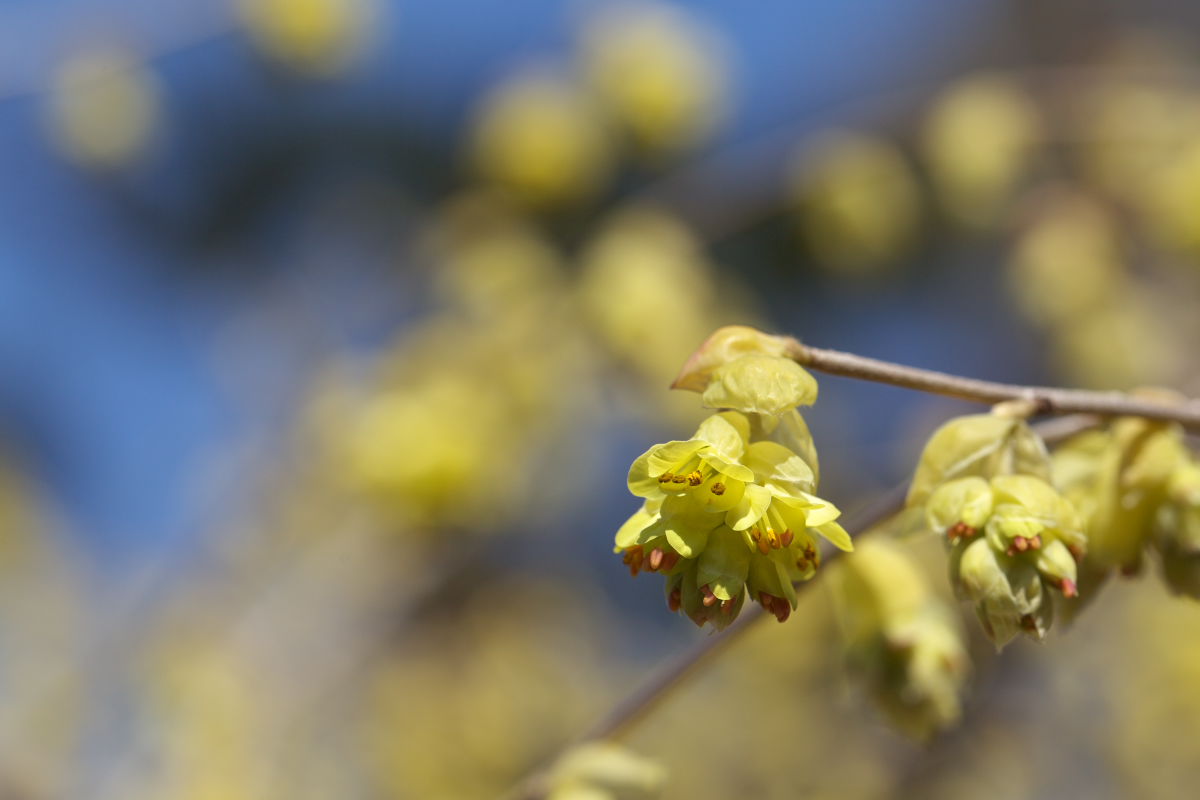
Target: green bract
x=760 y=384
x=980 y=445
x=729 y=514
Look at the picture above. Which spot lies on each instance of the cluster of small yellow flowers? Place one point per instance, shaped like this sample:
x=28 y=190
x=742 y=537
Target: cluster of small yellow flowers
x=1014 y=540
x=901 y=639
x=731 y=512
x=1137 y=486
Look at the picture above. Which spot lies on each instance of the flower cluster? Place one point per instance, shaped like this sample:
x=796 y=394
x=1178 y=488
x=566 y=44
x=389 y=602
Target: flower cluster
x=984 y=483
x=731 y=512
x=1138 y=489
x=902 y=640
x=1012 y=540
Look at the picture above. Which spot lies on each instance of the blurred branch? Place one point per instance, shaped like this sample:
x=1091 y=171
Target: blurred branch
x=1043 y=399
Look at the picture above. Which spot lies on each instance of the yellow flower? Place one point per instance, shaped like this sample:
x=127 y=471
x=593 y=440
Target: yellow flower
x=728 y=514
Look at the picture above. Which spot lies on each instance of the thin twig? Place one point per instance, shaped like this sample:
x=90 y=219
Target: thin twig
x=1044 y=399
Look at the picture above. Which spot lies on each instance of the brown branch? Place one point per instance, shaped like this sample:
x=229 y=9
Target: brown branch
x=1043 y=399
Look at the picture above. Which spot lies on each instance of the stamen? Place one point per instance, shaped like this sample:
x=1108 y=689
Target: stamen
x=656 y=559
x=678 y=479
x=1036 y=542
x=786 y=537
x=710 y=599
x=636 y=557
x=764 y=546
x=666 y=477
x=726 y=606
x=717 y=488
x=669 y=561
x=674 y=599
x=1069 y=589
x=755 y=534
x=694 y=478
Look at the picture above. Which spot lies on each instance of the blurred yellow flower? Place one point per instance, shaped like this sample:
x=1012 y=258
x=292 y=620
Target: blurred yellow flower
x=104 y=107
x=643 y=267
x=657 y=70
x=978 y=140
x=1069 y=262
x=858 y=201
x=313 y=37
x=540 y=137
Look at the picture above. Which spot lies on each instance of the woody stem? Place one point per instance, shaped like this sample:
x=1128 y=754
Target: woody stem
x=1042 y=399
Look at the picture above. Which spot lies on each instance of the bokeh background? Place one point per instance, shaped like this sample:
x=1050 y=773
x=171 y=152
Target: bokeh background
x=328 y=330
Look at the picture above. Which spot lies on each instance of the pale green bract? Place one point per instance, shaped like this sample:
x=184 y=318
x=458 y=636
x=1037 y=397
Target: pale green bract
x=760 y=384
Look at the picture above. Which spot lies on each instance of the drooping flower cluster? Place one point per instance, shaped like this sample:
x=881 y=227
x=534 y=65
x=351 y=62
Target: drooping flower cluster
x=902 y=640
x=1014 y=540
x=731 y=512
x=1138 y=489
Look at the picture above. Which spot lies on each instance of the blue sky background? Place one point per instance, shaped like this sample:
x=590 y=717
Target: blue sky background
x=113 y=317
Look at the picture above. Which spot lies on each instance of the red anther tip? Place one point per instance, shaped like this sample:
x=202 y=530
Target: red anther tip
x=1021 y=543
x=674 y=599
x=1069 y=589
x=786 y=538
x=709 y=598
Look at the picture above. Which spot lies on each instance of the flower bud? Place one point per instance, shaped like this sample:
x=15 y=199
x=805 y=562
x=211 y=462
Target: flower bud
x=760 y=384
x=725 y=345
x=1007 y=592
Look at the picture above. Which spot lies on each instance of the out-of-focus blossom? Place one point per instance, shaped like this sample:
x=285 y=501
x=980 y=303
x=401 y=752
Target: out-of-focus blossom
x=541 y=138
x=901 y=639
x=657 y=70
x=648 y=289
x=858 y=202
x=466 y=709
x=979 y=139
x=1069 y=262
x=605 y=771
x=312 y=37
x=104 y=107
